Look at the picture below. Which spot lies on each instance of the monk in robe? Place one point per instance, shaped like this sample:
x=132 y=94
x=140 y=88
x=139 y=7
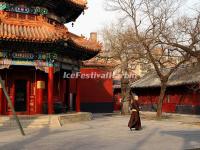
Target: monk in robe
x=134 y=121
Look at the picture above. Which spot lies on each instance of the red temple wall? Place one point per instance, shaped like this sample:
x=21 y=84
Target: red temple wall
x=96 y=90
x=186 y=99
x=173 y=98
x=176 y=98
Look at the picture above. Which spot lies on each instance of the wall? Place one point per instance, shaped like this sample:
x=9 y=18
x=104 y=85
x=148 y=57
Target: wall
x=178 y=99
x=96 y=93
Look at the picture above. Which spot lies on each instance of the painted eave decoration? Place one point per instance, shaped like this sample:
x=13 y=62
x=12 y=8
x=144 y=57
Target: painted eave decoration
x=23 y=9
x=67 y=10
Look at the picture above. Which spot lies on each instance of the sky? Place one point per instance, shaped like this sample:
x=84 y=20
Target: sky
x=93 y=20
x=96 y=17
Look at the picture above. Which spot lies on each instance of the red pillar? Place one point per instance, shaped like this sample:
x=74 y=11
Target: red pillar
x=40 y=95
x=50 y=90
x=1 y=100
x=78 y=97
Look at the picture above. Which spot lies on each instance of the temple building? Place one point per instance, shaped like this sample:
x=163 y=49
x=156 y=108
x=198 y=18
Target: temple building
x=182 y=94
x=36 y=49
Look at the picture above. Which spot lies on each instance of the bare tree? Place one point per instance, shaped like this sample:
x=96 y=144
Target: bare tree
x=149 y=18
x=121 y=46
x=184 y=33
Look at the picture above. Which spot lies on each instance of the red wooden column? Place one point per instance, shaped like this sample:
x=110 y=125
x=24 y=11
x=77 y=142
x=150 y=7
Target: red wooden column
x=40 y=95
x=78 y=97
x=1 y=100
x=50 y=89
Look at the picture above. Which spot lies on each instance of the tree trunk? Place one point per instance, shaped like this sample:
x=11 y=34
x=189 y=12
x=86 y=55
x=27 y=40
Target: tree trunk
x=125 y=108
x=161 y=99
x=125 y=90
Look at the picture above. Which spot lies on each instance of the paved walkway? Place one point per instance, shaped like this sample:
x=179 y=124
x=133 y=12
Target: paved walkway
x=106 y=133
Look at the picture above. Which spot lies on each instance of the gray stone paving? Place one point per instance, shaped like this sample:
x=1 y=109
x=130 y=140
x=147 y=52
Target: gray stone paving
x=106 y=133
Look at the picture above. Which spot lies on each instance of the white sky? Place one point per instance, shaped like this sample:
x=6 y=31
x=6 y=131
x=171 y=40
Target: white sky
x=93 y=20
x=96 y=17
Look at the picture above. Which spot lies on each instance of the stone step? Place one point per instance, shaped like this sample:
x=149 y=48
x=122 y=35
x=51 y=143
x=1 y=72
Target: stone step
x=25 y=122
x=71 y=118
x=40 y=119
x=44 y=120
x=38 y=126
x=14 y=124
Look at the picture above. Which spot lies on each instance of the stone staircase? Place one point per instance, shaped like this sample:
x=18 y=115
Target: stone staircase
x=77 y=117
x=26 y=121
x=41 y=121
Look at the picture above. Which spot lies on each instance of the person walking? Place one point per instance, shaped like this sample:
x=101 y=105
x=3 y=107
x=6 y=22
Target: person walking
x=134 y=121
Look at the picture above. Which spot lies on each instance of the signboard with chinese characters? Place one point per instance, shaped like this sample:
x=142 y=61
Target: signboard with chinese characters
x=23 y=9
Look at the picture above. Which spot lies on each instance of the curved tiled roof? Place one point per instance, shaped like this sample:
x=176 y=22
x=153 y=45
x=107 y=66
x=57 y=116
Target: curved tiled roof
x=39 y=30
x=182 y=76
x=81 y=3
x=83 y=43
x=36 y=30
x=99 y=61
x=97 y=64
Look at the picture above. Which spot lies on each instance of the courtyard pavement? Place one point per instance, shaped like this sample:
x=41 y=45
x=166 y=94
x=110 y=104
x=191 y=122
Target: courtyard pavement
x=107 y=132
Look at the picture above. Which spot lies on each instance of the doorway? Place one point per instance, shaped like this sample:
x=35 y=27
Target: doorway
x=20 y=96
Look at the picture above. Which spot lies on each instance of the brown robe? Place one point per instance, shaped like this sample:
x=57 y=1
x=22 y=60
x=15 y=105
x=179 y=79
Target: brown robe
x=134 y=121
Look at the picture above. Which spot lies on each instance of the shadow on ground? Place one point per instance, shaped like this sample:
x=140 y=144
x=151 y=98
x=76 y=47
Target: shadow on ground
x=191 y=138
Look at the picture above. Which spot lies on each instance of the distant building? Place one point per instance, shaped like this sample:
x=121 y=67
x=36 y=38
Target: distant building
x=182 y=94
